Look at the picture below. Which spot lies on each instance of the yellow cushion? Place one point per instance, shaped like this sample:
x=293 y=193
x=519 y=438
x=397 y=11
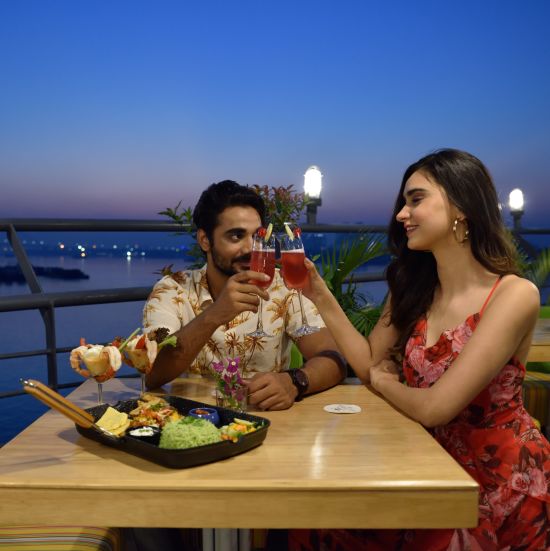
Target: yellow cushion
x=59 y=538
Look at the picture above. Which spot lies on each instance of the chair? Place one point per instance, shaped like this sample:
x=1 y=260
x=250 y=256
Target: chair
x=60 y=538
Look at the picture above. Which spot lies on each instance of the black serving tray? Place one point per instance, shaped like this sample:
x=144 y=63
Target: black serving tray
x=188 y=457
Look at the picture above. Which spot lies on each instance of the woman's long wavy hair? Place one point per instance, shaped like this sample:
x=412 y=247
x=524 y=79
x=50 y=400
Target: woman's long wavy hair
x=412 y=275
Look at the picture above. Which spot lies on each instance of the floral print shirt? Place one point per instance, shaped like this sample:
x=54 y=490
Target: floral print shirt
x=182 y=296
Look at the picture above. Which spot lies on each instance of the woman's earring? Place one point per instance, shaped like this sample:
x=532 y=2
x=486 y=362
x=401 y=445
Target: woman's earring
x=464 y=237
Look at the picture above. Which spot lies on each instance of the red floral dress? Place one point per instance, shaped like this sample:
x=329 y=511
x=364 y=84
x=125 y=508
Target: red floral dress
x=496 y=442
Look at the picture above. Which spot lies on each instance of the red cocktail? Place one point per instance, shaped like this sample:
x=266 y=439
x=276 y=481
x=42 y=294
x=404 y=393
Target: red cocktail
x=263 y=261
x=295 y=273
x=294 y=270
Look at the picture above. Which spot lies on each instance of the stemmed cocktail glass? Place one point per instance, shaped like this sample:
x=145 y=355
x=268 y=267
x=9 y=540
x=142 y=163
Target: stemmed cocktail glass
x=97 y=361
x=295 y=273
x=262 y=259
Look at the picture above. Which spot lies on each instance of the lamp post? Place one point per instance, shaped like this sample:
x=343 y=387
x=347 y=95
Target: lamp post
x=313 y=183
x=515 y=202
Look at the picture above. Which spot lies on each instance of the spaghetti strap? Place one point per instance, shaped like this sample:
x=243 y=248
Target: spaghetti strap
x=490 y=295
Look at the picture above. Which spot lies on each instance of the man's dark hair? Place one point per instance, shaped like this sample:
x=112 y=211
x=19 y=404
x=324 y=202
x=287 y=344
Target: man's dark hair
x=217 y=197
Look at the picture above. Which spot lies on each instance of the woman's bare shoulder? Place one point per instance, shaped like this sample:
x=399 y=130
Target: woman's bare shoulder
x=517 y=290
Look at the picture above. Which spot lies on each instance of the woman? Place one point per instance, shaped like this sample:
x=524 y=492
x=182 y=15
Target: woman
x=457 y=327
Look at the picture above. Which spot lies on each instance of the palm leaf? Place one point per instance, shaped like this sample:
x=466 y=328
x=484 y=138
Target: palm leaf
x=538 y=269
x=339 y=264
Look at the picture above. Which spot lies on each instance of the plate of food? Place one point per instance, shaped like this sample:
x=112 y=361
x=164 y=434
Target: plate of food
x=161 y=429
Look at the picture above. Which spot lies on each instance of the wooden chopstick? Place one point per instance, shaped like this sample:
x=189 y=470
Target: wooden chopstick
x=58 y=402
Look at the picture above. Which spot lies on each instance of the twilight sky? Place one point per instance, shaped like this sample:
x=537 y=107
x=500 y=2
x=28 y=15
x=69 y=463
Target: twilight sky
x=120 y=108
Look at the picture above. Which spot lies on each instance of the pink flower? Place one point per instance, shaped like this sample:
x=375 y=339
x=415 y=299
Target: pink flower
x=432 y=371
x=504 y=500
x=460 y=336
x=501 y=394
x=233 y=366
x=520 y=482
x=415 y=358
x=228 y=378
x=537 y=482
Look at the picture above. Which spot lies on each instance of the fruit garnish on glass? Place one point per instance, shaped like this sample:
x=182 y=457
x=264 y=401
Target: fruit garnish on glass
x=140 y=350
x=295 y=274
x=262 y=259
x=100 y=362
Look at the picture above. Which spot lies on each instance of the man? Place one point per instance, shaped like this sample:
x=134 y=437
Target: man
x=211 y=311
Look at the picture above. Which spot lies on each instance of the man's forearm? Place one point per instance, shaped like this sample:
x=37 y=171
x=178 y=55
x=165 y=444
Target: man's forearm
x=172 y=361
x=322 y=373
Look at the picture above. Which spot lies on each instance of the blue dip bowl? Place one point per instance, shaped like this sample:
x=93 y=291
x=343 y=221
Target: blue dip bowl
x=210 y=414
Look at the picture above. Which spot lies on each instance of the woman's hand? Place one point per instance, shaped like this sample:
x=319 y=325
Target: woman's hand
x=315 y=288
x=382 y=372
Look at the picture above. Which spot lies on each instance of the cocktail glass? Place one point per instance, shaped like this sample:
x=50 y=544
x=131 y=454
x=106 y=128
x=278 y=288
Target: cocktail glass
x=262 y=259
x=295 y=273
x=97 y=361
x=99 y=392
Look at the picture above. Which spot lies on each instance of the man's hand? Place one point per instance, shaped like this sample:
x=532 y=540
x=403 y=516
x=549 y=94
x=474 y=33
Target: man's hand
x=271 y=391
x=238 y=295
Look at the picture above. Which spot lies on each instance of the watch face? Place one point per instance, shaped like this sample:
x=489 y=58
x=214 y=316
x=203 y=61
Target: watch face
x=301 y=379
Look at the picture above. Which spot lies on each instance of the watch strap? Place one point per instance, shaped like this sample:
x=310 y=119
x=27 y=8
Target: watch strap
x=300 y=380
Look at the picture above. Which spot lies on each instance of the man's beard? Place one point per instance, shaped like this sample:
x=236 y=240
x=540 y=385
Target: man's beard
x=226 y=266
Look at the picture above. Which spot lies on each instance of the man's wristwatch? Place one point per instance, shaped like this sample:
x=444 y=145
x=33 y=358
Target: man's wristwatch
x=300 y=381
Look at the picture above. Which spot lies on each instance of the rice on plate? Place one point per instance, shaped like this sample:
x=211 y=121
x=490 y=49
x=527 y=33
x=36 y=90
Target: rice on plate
x=188 y=432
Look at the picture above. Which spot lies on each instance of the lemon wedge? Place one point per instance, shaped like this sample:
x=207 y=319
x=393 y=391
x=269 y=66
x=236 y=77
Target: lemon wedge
x=268 y=232
x=289 y=232
x=243 y=422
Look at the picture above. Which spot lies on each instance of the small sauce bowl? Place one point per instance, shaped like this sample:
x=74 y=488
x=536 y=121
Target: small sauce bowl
x=149 y=434
x=210 y=414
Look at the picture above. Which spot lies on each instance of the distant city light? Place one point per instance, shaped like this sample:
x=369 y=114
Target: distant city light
x=115 y=246
x=83 y=255
x=61 y=245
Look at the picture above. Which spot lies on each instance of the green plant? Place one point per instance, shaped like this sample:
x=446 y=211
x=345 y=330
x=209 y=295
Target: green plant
x=283 y=204
x=538 y=269
x=337 y=267
x=184 y=218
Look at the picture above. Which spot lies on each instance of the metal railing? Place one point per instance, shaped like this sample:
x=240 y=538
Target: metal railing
x=46 y=303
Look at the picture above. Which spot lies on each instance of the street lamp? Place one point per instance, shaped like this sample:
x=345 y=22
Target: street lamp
x=515 y=202
x=313 y=183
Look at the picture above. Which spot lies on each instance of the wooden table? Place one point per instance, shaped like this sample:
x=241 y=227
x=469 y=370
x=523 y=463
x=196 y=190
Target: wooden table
x=374 y=469
x=540 y=346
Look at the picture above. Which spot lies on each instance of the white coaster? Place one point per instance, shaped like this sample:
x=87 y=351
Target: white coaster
x=342 y=408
